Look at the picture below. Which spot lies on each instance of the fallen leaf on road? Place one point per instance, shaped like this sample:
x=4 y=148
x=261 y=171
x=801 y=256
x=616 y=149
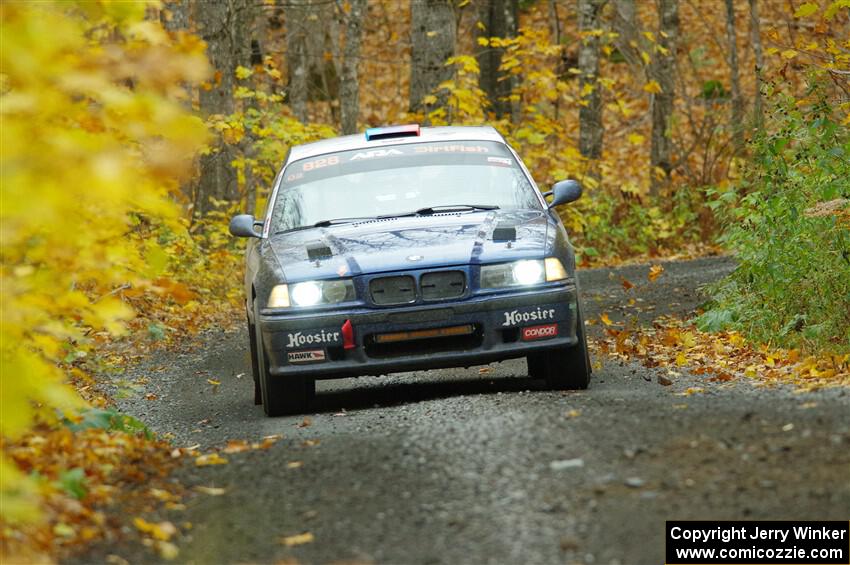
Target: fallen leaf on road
x=151 y=396
x=485 y=371
x=305 y=423
x=634 y=482
x=627 y=285
x=267 y=442
x=664 y=381
x=167 y=550
x=294 y=464
x=162 y=495
x=655 y=272
x=212 y=491
x=605 y=319
x=210 y=459
x=161 y=531
x=692 y=390
x=310 y=443
x=298 y=539
x=573 y=414
x=236 y=446
x=721 y=378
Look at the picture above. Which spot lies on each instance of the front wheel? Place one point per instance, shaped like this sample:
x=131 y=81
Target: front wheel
x=255 y=369
x=564 y=368
x=281 y=395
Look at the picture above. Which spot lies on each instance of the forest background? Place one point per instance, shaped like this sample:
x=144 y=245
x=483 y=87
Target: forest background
x=131 y=131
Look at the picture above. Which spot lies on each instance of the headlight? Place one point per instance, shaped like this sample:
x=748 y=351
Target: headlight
x=555 y=270
x=306 y=293
x=311 y=293
x=522 y=273
x=528 y=272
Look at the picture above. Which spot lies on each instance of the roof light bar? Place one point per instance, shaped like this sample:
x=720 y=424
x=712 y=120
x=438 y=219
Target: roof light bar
x=410 y=130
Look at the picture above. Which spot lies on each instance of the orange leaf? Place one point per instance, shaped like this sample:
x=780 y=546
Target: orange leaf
x=655 y=272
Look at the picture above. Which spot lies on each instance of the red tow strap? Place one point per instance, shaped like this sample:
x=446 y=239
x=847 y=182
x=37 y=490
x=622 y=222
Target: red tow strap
x=348 y=335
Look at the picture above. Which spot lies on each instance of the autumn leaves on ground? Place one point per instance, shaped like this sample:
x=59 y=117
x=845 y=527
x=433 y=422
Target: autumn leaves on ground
x=131 y=132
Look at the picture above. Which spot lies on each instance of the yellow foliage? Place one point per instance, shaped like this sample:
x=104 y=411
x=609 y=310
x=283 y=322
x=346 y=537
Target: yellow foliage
x=652 y=87
x=93 y=141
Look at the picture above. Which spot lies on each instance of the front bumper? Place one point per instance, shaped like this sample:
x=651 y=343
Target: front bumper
x=497 y=322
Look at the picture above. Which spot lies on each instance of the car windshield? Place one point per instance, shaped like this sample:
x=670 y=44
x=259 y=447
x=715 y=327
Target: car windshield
x=400 y=179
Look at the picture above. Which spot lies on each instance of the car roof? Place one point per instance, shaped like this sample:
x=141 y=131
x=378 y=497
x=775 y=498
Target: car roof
x=427 y=134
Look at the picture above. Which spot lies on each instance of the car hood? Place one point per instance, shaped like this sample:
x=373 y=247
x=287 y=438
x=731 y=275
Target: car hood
x=419 y=242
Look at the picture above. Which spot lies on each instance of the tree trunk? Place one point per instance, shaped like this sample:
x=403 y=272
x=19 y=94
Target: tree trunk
x=349 y=88
x=223 y=26
x=755 y=33
x=555 y=39
x=433 y=34
x=296 y=57
x=175 y=15
x=737 y=101
x=663 y=70
x=500 y=20
x=590 y=110
x=626 y=26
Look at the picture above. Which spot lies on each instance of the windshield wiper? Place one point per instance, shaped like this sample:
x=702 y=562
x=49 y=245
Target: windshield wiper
x=428 y=210
x=326 y=223
x=455 y=208
x=335 y=221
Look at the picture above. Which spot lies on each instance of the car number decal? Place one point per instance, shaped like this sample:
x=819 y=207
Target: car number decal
x=309 y=356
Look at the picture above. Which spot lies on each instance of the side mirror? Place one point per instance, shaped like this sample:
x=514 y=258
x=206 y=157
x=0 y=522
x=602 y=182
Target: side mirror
x=243 y=226
x=564 y=192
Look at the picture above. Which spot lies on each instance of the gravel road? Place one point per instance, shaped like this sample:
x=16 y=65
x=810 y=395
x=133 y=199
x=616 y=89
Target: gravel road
x=460 y=466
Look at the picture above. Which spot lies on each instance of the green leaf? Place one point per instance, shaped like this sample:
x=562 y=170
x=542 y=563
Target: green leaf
x=806 y=10
x=74 y=482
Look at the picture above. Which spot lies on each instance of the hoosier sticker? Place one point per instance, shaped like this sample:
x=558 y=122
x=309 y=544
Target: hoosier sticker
x=320 y=337
x=516 y=317
x=310 y=356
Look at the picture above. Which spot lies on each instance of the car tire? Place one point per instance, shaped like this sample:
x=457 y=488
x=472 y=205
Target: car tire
x=281 y=395
x=564 y=368
x=255 y=369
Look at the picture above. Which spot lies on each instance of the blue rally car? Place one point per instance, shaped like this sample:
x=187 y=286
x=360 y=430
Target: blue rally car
x=408 y=248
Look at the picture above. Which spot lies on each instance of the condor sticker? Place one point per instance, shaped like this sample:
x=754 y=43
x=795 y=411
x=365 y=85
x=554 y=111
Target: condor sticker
x=311 y=356
x=296 y=340
x=539 y=332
